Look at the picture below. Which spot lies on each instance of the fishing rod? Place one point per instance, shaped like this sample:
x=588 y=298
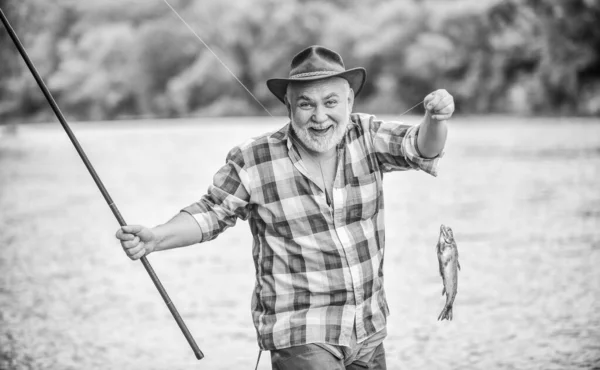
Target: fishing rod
x=90 y=168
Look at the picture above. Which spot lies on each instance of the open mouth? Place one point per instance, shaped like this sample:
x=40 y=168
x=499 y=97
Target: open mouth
x=320 y=131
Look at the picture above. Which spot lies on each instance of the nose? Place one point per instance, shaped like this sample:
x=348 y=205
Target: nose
x=319 y=115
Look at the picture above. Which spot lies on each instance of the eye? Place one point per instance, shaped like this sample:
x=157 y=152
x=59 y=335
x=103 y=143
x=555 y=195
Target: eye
x=331 y=103
x=304 y=105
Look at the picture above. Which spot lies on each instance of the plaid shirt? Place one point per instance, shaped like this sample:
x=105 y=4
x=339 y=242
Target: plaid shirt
x=319 y=268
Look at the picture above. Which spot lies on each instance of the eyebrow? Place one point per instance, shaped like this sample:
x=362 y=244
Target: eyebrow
x=304 y=97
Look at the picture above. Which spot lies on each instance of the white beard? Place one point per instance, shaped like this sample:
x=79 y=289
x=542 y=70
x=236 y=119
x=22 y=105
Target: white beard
x=320 y=144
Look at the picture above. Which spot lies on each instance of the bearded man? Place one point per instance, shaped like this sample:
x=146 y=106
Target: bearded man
x=312 y=194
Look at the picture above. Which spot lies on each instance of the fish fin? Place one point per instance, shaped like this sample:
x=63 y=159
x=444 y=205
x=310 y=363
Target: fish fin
x=450 y=314
x=443 y=290
x=458 y=264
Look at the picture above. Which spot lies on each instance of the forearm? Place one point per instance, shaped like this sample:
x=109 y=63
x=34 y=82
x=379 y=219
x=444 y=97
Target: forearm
x=432 y=136
x=181 y=231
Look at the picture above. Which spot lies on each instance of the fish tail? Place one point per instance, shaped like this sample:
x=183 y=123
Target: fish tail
x=442 y=314
x=446 y=313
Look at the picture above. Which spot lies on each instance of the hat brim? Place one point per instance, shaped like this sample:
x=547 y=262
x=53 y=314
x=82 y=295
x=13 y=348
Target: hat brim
x=356 y=77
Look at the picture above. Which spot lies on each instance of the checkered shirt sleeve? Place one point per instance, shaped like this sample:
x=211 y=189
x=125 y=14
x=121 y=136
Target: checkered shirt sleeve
x=396 y=146
x=226 y=200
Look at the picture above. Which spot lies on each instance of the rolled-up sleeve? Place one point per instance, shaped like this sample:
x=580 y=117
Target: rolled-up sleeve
x=395 y=145
x=225 y=201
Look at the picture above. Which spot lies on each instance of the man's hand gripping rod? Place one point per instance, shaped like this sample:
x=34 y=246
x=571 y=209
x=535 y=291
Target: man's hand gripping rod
x=88 y=165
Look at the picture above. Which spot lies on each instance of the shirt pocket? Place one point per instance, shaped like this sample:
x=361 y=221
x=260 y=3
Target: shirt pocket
x=362 y=197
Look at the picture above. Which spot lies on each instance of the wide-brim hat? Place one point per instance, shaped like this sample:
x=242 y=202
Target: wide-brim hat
x=317 y=63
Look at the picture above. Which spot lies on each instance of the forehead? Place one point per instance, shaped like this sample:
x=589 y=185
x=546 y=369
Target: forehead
x=319 y=87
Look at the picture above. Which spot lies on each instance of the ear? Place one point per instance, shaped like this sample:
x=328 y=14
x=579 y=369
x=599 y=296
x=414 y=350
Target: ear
x=288 y=105
x=350 y=99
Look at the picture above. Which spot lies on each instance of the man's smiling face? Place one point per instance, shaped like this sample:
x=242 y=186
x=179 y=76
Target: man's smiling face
x=320 y=111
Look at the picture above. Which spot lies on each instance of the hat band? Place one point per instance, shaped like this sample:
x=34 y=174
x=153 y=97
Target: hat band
x=312 y=74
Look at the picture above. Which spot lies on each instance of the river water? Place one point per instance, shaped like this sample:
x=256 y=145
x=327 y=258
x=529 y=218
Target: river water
x=521 y=195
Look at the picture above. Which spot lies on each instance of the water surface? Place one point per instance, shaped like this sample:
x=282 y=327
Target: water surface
x=521 y=195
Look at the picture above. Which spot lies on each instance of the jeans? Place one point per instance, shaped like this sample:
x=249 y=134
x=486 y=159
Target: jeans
x=314 y=357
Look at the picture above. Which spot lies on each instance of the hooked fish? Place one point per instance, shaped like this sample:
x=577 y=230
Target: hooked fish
x=447 y=253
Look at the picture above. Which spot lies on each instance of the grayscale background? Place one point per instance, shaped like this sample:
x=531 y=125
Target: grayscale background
x=156 y=113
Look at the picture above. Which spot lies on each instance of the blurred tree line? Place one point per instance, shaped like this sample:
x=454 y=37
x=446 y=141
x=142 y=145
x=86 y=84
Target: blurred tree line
x=134 y=58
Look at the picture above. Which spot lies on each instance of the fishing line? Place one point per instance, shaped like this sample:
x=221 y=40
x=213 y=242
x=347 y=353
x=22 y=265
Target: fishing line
x=216 y=56
x=231 y=72
x=413 y=107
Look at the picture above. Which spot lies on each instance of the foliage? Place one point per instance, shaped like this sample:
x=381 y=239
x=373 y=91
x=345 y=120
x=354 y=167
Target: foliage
x=116 y=59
